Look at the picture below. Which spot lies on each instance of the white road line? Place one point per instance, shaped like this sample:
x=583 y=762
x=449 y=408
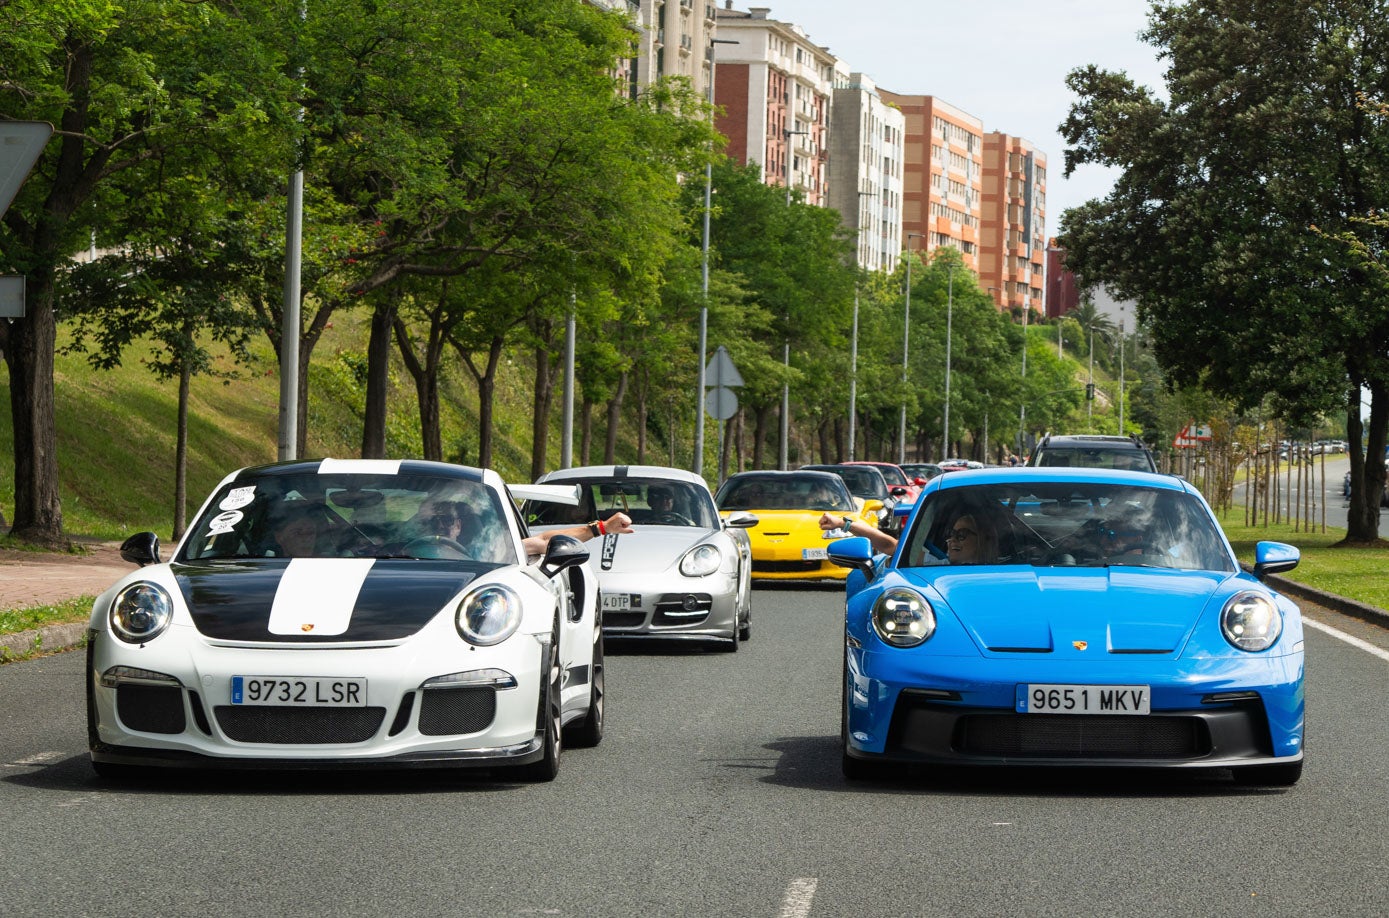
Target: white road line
x=799 y=894
x=1350 y=639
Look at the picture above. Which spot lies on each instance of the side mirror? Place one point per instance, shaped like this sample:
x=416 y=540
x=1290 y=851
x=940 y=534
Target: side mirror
x=1274 y=558
x=561 y=553
x=855 y=553
x=142 y=548
x=898 y=491
x=740 y=519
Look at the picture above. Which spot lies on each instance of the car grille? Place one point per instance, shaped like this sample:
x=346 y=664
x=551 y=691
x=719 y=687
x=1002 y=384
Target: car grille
x=785 y=567
x=1062 y=736
x=671 y=609
x=624 y=619
x=299 y=726
x=451 y=711
x=151 y=708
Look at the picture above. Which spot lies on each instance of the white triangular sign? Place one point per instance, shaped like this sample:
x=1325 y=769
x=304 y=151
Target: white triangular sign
x=21 y=142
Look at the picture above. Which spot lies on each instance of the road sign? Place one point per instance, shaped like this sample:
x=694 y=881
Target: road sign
x=11 y=296
x=21 y=142
x=721 y=403
x=721 y=372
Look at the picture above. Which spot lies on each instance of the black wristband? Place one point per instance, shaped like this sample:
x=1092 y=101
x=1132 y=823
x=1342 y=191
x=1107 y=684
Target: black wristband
x=593 y=528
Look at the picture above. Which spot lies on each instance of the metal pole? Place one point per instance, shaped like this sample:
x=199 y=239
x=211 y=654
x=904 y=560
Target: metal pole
x=853 y=376
x=1121 y=377
x=289 y=319
x=1090 y=393
x=698 y=464
x=949 y=312
x=785 y=435
x=566 y=448
x=906 y=339
x=1022 y=402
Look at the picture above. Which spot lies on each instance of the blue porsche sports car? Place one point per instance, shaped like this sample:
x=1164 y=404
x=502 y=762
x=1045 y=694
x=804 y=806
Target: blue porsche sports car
x=1074 y=617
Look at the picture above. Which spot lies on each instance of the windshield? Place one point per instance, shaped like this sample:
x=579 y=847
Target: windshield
x=786 y=492
x=1066 y=524
x=357 y=516
x=892 y=474
x=648 y=501
x=1095 y=458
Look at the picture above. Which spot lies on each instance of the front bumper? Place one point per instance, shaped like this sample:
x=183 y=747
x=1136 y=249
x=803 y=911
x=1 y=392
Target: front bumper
x=186 y=718
x=1222 y=714
x=674 y=607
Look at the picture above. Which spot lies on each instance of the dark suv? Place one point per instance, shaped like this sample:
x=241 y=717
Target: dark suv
x=1093 y=451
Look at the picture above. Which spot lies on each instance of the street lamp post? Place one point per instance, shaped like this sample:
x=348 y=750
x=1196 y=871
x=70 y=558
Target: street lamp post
x=906 y=339
x=704 y=303
x=1022 y=402
x=782 y=459
x=949 y=312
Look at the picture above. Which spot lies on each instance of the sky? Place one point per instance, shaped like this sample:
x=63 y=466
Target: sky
x=1003 y=61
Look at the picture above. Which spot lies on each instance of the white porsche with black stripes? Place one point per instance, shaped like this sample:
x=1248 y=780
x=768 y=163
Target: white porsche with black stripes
x=349 y=613
x=682 y=575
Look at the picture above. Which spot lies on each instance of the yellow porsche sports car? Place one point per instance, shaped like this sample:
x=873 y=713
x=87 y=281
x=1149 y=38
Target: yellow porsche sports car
x=787 y=542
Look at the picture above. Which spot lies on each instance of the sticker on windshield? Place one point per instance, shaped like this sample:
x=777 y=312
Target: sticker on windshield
x=237 y=498
x=224 y=522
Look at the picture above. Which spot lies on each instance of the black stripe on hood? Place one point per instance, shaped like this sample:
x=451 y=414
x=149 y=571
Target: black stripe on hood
x=232 y=601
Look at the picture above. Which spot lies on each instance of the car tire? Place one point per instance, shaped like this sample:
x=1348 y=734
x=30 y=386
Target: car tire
x=588 y=732
x=745 y=630
x=731 y=645
x=1269 y=775
x=853 y=769
x=546 y=768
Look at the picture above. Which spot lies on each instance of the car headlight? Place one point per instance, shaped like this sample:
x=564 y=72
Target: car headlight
x=903 y=618
x=489 y=615
x=1250 y=621
x=700 y=561
x=141 y=612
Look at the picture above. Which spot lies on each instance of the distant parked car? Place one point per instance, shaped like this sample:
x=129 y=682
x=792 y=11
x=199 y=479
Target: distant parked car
x=896 y=477
x=867 y=483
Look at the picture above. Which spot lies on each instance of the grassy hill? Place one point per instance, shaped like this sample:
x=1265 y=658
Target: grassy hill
x=116 y=429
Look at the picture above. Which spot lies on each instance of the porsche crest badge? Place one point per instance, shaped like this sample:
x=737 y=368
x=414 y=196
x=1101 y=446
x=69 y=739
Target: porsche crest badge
x=1080 y=645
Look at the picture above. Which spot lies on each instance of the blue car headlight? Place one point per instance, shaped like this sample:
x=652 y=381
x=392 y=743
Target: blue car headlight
x=140 y=612
x=1250 y=621
x=489 y=615
x=903 y=618
x=700 y=561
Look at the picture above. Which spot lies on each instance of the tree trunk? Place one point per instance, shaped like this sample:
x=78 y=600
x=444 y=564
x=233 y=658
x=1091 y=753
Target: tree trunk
x=761 y=421
x=425 y=374
x=585 y=430
x=486 y=401
x=307 y=341
x=378 y=378
x=29 y=349
x=546 y=369
x=1367 y=475
x=642 y=391
x=181 y=456
x=614 y=420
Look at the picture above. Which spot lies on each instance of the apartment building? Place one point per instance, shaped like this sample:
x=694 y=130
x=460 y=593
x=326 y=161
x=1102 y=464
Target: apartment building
x=1013 y=244
x=775 y=86
x=673 y=39
x=942 y=176
x=865 y=168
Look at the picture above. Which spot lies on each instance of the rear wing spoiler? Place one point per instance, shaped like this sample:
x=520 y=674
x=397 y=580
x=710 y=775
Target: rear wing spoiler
x=550 y=494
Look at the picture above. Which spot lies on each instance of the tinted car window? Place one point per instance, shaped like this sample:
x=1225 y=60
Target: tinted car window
x=1073 y=524
x=602 y=497
x=789 y=491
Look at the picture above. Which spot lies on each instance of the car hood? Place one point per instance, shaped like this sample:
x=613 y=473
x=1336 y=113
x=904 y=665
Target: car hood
x=649 y=548
x=1124 y=610
x=317 y=600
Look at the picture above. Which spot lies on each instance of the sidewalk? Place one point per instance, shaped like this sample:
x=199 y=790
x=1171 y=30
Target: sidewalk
x=41 y=579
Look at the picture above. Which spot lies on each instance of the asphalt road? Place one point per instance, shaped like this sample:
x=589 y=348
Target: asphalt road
x=715 y=793
x=1328 y=482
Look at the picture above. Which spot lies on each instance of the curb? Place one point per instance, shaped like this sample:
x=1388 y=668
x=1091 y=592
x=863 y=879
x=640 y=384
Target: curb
x=22 y=645
x=1351 y=607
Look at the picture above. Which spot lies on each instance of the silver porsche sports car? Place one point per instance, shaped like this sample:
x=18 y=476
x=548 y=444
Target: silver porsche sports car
x=683 y=574
x=349 y=613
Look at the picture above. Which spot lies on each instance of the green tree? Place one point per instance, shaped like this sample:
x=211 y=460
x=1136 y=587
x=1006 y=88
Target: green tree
x=1232 y=190
x=122 y=84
